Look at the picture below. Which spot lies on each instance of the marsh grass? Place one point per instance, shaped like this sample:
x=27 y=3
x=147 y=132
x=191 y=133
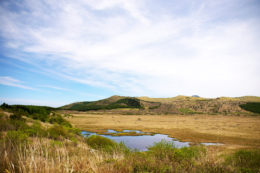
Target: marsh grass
x=234 y=131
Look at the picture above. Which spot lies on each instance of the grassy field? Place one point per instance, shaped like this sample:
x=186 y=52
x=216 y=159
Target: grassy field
x=236 y=132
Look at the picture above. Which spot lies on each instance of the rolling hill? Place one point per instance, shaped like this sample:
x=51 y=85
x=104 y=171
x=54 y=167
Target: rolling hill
x=114 y=102
x=173 y=105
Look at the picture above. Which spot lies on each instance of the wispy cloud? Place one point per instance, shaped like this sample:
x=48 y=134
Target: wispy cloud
x=14 y=82
x=139 y=47
x=54 y=87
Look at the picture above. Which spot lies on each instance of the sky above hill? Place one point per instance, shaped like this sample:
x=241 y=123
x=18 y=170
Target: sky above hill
x=57 y=52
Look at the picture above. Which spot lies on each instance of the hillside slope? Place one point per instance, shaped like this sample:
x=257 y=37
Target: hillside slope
x=113 y=102
x=173 y=105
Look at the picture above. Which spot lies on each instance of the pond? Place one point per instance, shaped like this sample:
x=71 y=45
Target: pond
x=140 y=140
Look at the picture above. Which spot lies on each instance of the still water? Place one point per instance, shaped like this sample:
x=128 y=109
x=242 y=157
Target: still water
x=142 y=142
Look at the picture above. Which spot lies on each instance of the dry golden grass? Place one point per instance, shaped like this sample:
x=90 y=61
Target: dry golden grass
x=41 y=155
x=236 y=132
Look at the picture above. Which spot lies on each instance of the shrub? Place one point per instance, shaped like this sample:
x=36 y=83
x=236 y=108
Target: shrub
x=16 y=137
x=166 y=149
x=59 y=120
x=161 y=149
x=98 y=142
x=56 y=131
x=18 y=124
x=245 y=159
x=73 y=130
x=36 y=130
x=66 y=124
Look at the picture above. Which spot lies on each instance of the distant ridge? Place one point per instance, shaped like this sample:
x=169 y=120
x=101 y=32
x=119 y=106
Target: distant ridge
x=173 y=105
x=182 y=97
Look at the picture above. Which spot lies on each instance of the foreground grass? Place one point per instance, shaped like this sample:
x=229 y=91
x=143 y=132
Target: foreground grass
x=22 y=154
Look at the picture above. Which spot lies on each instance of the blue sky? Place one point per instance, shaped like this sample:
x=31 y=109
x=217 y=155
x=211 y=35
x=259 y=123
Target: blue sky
x=57 y=52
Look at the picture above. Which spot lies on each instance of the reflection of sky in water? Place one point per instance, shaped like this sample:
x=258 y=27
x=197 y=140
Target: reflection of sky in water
x=141 y=142
x=113 y=131
x=211 y=144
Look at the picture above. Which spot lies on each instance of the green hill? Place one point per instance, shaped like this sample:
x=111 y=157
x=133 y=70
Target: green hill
x=113 y=102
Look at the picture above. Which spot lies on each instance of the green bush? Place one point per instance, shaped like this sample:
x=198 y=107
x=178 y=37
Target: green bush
x=56 y=131
x=98 y=142
x=187 y=153
x=59 y=120
x=18 y=124
x=66 y=124
x=73 y=130
x=166 y=149
x=161 y=149
x=245 y=159
x=36 y=130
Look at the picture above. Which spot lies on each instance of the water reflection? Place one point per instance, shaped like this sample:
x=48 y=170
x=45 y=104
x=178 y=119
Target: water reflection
x=141 y=142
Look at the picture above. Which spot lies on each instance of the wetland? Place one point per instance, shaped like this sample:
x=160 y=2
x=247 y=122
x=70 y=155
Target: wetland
x=235 y=132
x=139 y=140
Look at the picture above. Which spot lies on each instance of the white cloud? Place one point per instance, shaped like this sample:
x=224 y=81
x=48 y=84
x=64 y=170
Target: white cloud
x=124 y=46
x=14 y=82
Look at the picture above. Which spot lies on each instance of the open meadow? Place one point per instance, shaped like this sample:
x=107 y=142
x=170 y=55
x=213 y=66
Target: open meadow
x=236 y=132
